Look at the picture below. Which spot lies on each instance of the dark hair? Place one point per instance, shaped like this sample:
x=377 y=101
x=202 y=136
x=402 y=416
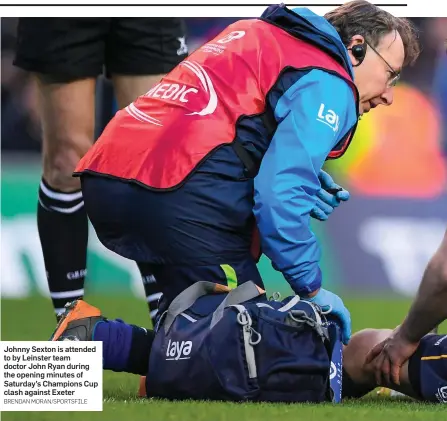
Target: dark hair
x=360 y=17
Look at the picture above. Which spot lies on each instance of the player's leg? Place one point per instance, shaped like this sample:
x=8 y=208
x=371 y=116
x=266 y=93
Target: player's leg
x=67 y=113
x=359 y=378
x=65 y=55
x=126 y=347
x=139 y=52
x=152 y=290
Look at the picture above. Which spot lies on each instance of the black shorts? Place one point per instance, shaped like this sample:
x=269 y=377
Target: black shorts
x=75 y=48
x=428 y=369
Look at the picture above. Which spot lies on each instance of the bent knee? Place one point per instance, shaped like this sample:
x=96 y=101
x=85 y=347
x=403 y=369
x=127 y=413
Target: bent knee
x=370 y=337
x=354 y=354
x=60 y=157
x=363 y=341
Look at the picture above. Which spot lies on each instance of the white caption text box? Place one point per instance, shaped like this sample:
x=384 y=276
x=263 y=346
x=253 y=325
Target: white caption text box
x=51 y=376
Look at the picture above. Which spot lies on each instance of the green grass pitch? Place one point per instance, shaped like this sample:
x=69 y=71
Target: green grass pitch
x=32 y=319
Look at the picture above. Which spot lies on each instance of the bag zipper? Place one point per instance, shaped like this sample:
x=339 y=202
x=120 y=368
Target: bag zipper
x=244 y=319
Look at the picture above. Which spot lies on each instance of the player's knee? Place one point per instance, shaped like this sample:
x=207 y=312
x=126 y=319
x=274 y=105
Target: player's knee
x=60 y=160
x=354 y=354
x=367 y=338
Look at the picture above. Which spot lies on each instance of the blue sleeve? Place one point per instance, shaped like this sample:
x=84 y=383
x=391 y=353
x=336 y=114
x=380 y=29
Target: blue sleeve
x=313 y=115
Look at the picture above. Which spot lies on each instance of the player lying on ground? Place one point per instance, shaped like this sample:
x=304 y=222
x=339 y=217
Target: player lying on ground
x=126 y=348
x=181 y=178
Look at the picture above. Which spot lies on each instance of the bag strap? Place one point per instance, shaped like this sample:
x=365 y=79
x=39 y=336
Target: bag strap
x=244 y=292
x=188 y=297
x=336 y=353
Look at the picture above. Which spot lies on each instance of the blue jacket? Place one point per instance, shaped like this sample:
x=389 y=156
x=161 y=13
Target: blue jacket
x=287 y=182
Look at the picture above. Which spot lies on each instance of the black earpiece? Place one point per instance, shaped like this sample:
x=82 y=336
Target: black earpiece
x=359 y=52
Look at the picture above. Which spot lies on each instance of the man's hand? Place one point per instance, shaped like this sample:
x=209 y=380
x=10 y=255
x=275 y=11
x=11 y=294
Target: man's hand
x=328 y=197
x=389 y=356
x=331 y=303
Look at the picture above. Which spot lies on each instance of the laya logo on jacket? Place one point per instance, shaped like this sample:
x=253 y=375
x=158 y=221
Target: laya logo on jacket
x=177 y=350
x=183 y=93
x=328 y=117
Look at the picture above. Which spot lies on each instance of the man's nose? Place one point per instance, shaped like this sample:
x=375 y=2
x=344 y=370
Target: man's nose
x=388 y=96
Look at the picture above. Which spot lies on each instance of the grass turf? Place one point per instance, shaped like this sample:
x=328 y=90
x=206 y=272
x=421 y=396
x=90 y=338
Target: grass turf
x=32 y=319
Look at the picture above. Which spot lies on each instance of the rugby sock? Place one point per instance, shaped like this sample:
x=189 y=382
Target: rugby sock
x=63 y=231
x=151 y=290
x=125 y=347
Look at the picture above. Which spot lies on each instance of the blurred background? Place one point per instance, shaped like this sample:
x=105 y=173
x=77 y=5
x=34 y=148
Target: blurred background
x=377 y=245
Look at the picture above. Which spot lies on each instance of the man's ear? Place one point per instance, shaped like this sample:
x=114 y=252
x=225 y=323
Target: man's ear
x=355 y=40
